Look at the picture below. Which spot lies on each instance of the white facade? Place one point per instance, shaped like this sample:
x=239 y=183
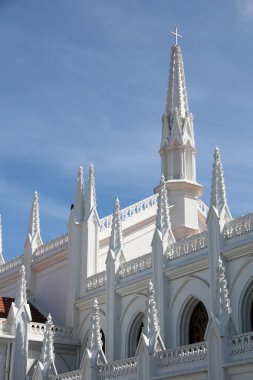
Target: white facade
x=164 y=285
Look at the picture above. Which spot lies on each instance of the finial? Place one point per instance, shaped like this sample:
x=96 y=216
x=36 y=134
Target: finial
x=78 y=208
x=95 y=342
x=116 y=239
x=176 y=35
x=21 y=289
x=163 y=216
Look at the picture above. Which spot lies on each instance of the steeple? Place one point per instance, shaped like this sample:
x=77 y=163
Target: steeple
x=34 y=222
x=177 y=151
x=90 y=199
x=218 y=192
x=116 y=240
x=163 y=216
x=21 y=289
x=79 y=200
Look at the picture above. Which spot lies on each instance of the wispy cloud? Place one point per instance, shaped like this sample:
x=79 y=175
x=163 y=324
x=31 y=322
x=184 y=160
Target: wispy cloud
x=245 y=8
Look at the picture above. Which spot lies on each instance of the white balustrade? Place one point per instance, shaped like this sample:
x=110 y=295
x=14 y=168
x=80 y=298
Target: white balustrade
x=203 y=207
x=74 y=375
x=242 y=343
x=52 y=246
x=36 y=328
x=14 y=263
x=96 y=281
x=187 y=246
x=135 y=266
x=130 y=211
x=5 y=326
x=239 y=226
x=118 y=368
x=182 y=355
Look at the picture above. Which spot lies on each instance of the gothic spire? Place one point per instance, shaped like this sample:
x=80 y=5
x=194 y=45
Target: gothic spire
x=34 y=223
x=79 y=200
x=163 y=216
x=95 y=342
x=116 y=240
x=218 y=192
x=177 y=99
x=21 y=289
x=90 y=199
x=151 y=323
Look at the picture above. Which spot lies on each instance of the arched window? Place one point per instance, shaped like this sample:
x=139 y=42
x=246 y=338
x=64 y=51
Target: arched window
x=198 y=323
x=247 y=310
x=135 y=334
x=103 y=340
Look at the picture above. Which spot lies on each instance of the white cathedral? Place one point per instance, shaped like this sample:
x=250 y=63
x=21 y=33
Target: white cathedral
x=162 y=289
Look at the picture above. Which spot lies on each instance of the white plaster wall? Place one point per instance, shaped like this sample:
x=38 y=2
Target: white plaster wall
x=51 y=290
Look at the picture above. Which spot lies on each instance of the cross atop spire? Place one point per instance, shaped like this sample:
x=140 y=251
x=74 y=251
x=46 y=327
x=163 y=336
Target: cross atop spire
x=176 y=35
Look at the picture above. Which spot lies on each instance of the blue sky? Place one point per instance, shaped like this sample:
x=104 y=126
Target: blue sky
x=85 y=81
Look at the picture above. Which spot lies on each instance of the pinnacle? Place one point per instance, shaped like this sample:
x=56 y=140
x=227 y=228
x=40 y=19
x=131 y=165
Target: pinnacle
x=34 y=224
x=218 y=192
x=163 y=217
x=47 y=351
x=151 y=323
x=95 y=342
x=116 y=234
x=91 y=191
x=79 y=201
x=21 y=289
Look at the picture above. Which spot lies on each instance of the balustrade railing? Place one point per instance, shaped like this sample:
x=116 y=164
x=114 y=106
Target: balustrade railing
x=96 y=281
x=239 y=226
x=242 y=343
x=187 y=246
x=203 y=207
x=118 y=368
x=53 y=246
x=5 y=326
x=130 y=211
x=14 y=263
x=182 y=355
x=74 y=375
x=136 y=265
x=36 y=328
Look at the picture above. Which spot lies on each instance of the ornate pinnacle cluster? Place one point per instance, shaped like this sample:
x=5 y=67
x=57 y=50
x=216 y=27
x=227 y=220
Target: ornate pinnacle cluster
x=95 y=342
x=79 y=201
x=177 y=100
x=222 y=297
x=34 y=224
x=163 y=217
x=116 y=240
x=91 y=190
x=151 y=323
x=218 y=194
x=47 y=351
x=21 y=289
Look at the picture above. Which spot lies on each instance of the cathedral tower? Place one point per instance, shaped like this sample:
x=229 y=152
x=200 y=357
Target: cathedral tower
x=178 y=152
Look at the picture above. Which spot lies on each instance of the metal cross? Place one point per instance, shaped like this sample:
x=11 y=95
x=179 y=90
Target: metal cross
x=176 y=34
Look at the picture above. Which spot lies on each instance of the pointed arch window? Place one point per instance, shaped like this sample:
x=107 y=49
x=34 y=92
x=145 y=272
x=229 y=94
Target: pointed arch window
x=135 y=334
x=197 y=324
